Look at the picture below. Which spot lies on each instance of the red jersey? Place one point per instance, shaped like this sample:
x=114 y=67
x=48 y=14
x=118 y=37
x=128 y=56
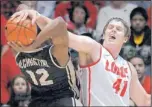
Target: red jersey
x=146 y=84
x=3 y=22
x=9 y=70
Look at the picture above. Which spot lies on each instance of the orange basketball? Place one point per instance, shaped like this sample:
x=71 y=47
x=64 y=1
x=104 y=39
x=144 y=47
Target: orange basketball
x=22 y=32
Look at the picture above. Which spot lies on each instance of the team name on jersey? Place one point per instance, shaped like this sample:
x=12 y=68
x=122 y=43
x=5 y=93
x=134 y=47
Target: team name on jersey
x=27 y=62
x=112 y=67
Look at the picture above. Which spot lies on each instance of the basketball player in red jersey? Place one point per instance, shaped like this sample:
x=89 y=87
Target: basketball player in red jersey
x=112 y=80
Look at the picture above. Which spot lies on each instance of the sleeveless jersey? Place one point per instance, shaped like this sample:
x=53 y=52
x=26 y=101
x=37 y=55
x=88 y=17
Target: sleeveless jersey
x=105 y=82
x=48 y=79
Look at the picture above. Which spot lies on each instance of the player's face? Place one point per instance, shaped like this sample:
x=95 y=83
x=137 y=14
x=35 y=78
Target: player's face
x=138 y=63
x=138 y=23
x=20 y=85
x=115 y=33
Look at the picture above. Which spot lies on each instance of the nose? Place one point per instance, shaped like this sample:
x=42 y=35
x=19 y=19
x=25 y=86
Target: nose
x=79 y=14
x=20 y=86
x=137 y=68
x=114 y=29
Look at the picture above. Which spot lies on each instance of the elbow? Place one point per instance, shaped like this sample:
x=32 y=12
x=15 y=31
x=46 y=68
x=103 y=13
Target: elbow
x=147 y=101
x=60 y=23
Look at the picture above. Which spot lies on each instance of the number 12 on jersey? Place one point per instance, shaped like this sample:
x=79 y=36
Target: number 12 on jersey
x=117 y=84
x=43 y=80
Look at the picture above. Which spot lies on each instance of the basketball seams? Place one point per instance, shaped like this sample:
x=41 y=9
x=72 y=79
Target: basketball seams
x=12 y=30
x=17 y=32
x=24 y=27
x=17 y=39
x=27 y=40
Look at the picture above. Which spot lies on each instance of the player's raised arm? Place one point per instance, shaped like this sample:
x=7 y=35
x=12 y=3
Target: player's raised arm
x=83 y=44
x=58 y=28
x=137 y=92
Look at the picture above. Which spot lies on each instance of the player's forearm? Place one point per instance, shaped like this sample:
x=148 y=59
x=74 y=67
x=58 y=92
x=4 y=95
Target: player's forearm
x=51 y=30
x=42 y=21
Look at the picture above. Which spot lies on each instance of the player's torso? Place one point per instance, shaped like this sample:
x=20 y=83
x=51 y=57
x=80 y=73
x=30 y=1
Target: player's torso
x=47 y=78
x=107 y=82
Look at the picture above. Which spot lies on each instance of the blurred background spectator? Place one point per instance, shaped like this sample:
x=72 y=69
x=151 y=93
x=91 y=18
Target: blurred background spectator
x=140 y=32
x=138 y=63
x=128 y=51
x=146 y=54
x=121 y=9
x=62 y=10
x=30 y=4
x=79 y=15
x=8 y=7
x=46 y=8
x=20 y=92
x=145 y=4
x=98 y=4
x=9 y=70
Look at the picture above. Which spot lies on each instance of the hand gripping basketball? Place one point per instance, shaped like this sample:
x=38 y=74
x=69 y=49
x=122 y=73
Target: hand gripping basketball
x=24 y=14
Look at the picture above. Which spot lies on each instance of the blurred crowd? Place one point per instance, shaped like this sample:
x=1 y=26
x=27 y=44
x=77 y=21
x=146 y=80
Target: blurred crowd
x=83 y=18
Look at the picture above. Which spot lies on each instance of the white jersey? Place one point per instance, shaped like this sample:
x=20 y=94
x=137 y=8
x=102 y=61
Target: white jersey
x=105 y=82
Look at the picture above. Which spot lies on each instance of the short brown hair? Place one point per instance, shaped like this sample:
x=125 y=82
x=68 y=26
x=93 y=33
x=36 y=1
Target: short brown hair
x=119 y=20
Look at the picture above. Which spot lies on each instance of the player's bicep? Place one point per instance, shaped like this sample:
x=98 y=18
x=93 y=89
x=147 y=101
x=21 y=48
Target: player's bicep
x=137 y=92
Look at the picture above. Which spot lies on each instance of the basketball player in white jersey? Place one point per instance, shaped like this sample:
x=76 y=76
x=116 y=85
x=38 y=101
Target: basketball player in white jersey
x=111 y=79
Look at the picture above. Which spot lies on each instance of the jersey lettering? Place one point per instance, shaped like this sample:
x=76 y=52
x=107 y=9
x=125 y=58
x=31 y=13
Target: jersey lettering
x=112 y=67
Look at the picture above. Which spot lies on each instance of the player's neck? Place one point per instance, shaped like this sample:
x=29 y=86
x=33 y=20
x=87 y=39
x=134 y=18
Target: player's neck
x=113 y=50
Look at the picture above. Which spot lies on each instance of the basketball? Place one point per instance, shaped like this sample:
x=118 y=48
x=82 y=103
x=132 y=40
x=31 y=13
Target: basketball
x=22 y=32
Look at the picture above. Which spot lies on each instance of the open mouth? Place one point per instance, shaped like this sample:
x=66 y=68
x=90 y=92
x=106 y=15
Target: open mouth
x=112 y=37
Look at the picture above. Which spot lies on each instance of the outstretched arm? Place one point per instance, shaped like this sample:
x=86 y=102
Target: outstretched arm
x=76 y=42
x=137 y=92
x=59 y=34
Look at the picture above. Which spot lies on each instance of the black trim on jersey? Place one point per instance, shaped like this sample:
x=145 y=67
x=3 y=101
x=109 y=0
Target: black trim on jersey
x=54 y=62
x=34 y=50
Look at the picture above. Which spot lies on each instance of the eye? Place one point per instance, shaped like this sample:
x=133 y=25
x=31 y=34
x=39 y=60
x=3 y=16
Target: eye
x=6 y=28
x=119 y=28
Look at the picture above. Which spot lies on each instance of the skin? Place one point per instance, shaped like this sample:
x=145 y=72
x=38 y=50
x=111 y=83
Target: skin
x=138 y=63
x=78 y=16
x=138 y=22
x=88 y=46
x=20 y=85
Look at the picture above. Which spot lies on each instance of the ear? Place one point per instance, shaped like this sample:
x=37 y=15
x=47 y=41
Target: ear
x=126 y=39
x=103 y=36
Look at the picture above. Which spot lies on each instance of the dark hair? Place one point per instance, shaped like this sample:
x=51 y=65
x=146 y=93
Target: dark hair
x=13 y=101
x=139 y=10
x=118 y=20
x=137 y=56
x=72 y=10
